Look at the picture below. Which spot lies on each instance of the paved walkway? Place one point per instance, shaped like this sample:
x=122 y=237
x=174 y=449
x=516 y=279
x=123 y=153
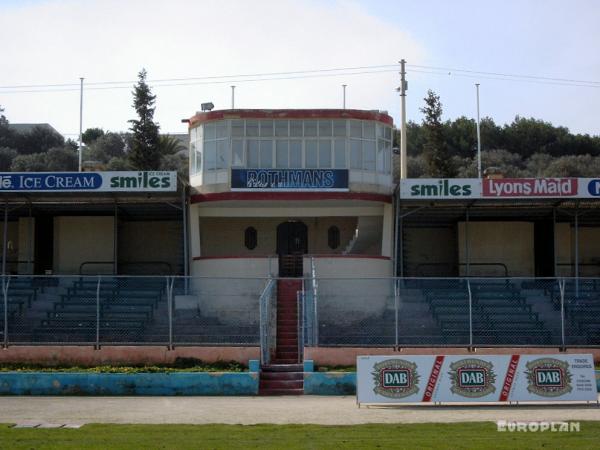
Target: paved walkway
x=253 y=410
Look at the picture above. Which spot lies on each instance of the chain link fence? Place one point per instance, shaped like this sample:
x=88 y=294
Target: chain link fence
x=368 y=312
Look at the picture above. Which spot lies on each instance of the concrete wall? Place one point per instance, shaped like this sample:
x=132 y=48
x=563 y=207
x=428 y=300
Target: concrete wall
x=225 y=236
x=150 y=241
x=589 y=251
x=12 y=248
x=429 y=245
x=173 y=383
x=82 y=238
x=563 y=249
x=510 y=243
x=26 y=245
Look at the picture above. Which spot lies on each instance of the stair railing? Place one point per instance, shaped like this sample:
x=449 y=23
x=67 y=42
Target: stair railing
x=314 y=286
x=265 y=322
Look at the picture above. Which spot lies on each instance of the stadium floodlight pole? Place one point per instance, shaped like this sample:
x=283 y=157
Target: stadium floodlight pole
x=403 y=162
x=478 y=135
x=232 y=97
x=80 y=120
x=344 y=96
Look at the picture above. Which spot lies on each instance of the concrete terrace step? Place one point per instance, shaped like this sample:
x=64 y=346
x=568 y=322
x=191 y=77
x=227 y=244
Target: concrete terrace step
x=283 y=367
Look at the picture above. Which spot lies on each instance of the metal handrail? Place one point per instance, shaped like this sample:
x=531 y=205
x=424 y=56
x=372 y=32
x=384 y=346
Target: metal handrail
x=315 y=287
x=127 y=263
x=458 y=265
x=264 y=301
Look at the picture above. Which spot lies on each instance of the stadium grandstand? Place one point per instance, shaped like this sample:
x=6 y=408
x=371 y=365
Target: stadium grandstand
x=291 y=240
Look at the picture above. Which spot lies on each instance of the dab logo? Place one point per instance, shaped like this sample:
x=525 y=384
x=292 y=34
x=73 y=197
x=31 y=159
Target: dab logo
x=395 y=378
x=472 y=378
x=548 y=377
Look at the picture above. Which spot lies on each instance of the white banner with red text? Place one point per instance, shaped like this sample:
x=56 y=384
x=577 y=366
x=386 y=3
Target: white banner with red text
x=476 y=378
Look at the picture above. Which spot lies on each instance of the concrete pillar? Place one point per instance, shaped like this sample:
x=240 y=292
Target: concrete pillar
x=387 y=235
x=26 y=245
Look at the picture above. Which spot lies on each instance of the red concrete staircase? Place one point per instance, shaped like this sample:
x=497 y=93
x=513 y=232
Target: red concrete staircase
x=285 y=375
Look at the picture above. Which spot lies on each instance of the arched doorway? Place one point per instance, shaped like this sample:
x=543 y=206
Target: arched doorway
x=292 y=243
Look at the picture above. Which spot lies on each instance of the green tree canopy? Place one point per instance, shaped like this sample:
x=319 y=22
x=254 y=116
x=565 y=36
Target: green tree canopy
x=435 y=149
x=91 y=134
x=145 y=146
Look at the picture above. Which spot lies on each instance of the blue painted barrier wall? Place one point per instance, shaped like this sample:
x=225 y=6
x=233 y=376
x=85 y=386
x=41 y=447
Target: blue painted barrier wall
x=170 y=383
x=329 y=383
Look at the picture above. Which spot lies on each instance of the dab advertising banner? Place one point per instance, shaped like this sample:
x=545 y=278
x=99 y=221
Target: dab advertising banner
x=476 y=378
x=127 y=181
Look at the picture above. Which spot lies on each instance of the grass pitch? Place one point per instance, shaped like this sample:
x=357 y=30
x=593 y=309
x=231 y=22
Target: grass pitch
x=482 y=435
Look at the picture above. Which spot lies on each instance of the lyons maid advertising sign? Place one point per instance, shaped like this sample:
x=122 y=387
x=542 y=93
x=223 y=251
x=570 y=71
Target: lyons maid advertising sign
x=130 y=181
x=475 y=378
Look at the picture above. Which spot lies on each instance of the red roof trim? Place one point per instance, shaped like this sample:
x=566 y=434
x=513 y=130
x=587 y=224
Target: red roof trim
x=360 y=114
x=290 y=196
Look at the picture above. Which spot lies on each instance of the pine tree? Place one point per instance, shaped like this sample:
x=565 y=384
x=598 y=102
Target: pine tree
x=144 y=153
x=438 y=160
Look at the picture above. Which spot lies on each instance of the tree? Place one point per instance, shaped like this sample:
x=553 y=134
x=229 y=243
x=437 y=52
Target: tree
x=170 y=145
x=40 y=139
x=7 y=155
x=145 y=149
x=110 y=145
x=435 y=150
x=35 y=162
x=62 y=159
x=91 y=134
x=7 y=136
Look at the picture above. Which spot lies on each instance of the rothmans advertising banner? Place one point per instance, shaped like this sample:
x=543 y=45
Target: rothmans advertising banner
x=501 y=188
x=131 y=181
x=289 y=179
x=477 y=378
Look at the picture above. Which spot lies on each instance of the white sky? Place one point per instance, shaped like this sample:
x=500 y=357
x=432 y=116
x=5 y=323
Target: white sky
x=57 y=41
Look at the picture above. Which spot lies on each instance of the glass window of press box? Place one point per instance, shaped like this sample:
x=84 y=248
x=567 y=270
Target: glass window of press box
x=280 y=144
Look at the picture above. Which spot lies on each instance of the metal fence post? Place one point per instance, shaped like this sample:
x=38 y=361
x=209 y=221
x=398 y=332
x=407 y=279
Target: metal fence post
x=170 y=310
x=396 y=302
x=470 y=315
x=98 y=313
x=561 y=286
x=5 y=295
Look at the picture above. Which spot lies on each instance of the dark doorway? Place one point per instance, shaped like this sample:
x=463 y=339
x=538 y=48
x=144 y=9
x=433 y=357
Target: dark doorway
x=44 y=244
x=292 y=243
x=543 y=245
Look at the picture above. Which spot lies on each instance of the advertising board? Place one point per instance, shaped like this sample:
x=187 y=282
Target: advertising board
x=440 y=188
x=475 y=378
x=289 y=179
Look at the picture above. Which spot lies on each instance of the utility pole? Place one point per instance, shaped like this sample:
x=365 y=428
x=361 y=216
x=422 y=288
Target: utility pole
x=344 y=95
x=478 y=136
x=232 y=97
x=403 y=119
x=80 y=121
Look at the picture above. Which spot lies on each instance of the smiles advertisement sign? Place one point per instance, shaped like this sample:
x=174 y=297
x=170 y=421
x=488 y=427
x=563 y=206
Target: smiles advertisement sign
x=130 y=181
x=440 y=188
x=481 y=378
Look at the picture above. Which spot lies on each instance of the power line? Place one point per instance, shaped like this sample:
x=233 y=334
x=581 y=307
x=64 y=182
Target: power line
x=194 y=83
x=511 y=75
x=485 y=77
x=213 y=77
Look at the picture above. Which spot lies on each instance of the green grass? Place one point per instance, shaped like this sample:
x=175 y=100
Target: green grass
x=482 y=435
